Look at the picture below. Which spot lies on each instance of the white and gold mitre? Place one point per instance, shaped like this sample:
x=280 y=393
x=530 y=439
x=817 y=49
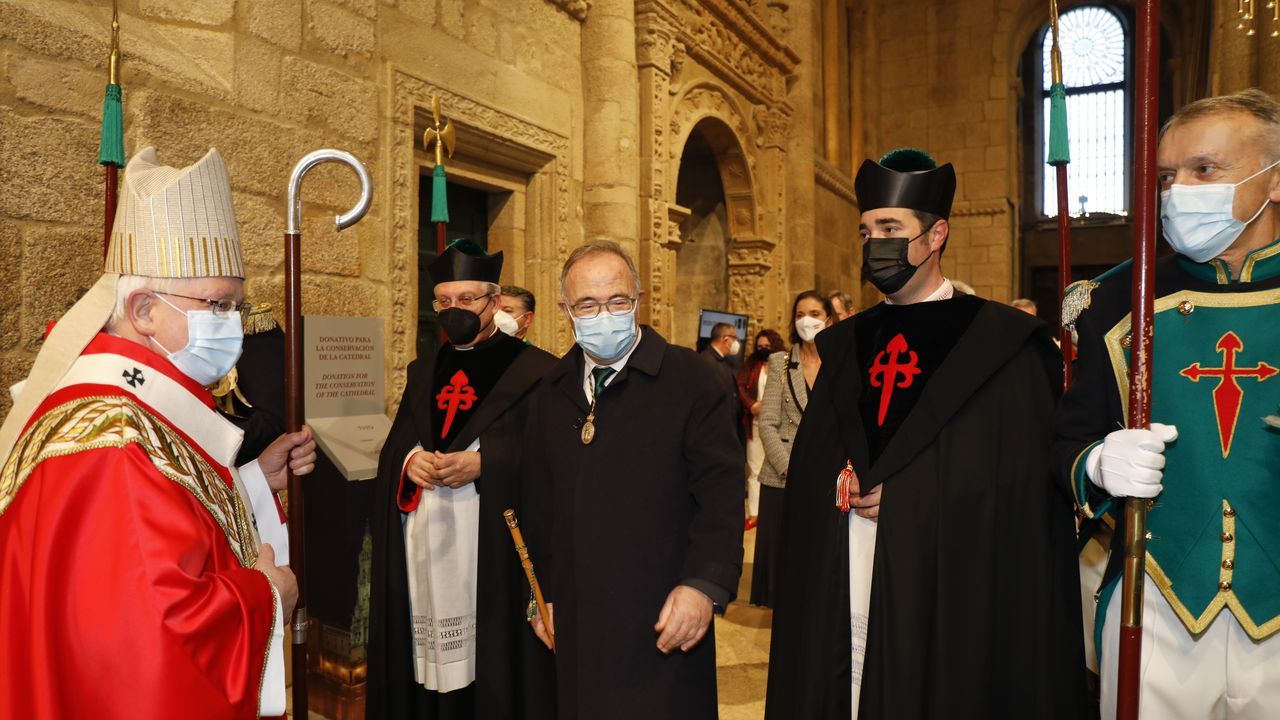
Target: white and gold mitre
x=175 y=222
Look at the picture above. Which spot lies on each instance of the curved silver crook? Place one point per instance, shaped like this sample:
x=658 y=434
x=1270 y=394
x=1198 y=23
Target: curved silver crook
x=312 y=159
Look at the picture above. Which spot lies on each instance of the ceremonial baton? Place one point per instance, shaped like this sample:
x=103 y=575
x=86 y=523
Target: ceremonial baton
x=523 y=551
x=1146 y=108
x=1060 y=156
x=293 y=382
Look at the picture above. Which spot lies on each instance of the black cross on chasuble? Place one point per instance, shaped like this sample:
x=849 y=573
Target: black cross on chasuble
x=900 y=347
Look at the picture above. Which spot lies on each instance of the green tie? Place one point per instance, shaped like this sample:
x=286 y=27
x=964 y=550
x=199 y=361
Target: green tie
x=601 y=375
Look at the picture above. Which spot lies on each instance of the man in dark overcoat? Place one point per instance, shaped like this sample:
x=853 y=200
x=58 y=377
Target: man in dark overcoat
x=635 y=517
x=442 y=554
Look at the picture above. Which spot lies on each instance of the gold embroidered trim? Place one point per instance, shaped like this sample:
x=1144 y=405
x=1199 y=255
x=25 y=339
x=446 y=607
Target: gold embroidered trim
x=1082 y=501
x=1115 y=336
x=1225 y=598
x=1246 y=272
x=266 y=654
x=95 y=422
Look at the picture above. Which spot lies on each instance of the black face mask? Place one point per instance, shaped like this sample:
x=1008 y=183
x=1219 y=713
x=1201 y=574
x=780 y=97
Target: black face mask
x=761 y=354
x=460 y=326
x=885 y=263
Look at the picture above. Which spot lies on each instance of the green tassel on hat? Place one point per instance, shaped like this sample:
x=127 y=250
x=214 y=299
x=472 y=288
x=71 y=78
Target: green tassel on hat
x=1059 y=147
x=111 y=147
x=439 y=203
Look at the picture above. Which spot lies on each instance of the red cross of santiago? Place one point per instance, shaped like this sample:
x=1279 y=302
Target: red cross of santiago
x=1228 y=394
x=457 y=395
x=888 y=375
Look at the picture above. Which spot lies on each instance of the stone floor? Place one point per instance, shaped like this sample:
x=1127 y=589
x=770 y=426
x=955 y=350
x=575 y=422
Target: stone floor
x=742 y=649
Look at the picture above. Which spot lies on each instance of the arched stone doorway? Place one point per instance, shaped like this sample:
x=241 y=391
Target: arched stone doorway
x=714 y=206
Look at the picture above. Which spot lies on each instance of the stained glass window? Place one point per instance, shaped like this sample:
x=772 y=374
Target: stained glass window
x=1094 y=51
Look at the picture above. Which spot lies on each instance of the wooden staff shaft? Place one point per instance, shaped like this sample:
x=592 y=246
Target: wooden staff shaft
x=1064 y=269
x=1146 y=107
x=293 y=423
x=523 y=551
x=109 y=211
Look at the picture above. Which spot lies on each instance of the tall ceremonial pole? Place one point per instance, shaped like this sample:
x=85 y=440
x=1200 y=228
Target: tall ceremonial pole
x=1146 y=109
x=443 y=136
x=1059 y=157
x=111 y=145
x=293 y=383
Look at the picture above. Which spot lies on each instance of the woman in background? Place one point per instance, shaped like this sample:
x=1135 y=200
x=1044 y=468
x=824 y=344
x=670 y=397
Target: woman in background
x=751 y=384
x=790 y=376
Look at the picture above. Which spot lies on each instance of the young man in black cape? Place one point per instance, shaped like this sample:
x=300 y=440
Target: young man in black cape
x=442 y=554
x=928 y=557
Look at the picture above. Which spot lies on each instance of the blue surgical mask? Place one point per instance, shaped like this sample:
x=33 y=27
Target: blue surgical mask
x=1198 y=221
x=214 y=344
x=606 y=337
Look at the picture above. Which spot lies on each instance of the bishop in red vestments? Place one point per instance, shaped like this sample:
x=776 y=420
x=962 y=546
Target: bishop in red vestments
x=135 y=576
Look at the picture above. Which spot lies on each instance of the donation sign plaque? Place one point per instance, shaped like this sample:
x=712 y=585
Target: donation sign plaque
x=345 y=403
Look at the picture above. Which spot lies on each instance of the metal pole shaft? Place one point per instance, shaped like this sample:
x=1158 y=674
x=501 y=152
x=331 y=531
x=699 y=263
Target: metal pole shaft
x=293 y=423
x=1146 y=108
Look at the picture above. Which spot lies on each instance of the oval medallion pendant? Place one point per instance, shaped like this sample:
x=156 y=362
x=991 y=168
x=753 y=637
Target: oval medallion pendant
x=588 y=432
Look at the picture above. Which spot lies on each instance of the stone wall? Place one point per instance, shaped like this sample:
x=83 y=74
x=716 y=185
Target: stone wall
x=574 y=114
x=266 y=81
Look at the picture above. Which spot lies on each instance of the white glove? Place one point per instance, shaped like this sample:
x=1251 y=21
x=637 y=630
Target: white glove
x=1130 y=463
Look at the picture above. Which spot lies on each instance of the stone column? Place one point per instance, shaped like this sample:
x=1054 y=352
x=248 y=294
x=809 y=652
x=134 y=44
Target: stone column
x=611 y=95
x=658 y=233
x=800 y=151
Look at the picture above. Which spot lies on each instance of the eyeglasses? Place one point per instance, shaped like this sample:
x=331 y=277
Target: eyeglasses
x=587 y=309
x=462 y=301
x=219 y=307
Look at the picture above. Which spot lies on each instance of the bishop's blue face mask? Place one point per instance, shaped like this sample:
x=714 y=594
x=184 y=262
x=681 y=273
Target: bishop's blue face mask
x=606 y=337
x=1198 y=220
x=214 y=344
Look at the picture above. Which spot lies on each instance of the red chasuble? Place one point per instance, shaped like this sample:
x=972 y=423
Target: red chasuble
x=127 y=587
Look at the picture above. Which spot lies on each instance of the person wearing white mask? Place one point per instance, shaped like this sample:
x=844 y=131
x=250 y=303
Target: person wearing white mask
x=129 y=540
x=786 y=393
x=635 y=514
x=1211 y=604
x=722 y=353
x=921 y=519
x=515 y=313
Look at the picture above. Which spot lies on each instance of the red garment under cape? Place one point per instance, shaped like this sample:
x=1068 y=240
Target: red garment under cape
x=120 y=593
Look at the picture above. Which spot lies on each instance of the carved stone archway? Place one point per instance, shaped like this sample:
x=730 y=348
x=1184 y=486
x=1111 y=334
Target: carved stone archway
x=702 y=59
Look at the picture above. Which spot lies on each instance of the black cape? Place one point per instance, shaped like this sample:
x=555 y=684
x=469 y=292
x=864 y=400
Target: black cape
x=975 y=609
x=514 y=672
x=654 y=502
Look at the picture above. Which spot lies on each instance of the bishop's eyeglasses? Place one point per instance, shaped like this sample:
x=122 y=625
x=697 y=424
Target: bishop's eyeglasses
x=617 y=305
x=219 y=307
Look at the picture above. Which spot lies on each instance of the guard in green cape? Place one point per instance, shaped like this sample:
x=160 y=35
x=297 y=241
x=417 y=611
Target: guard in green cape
x=1211 y=461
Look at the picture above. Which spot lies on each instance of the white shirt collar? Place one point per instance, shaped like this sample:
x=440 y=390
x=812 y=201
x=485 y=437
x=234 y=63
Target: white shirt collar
x=945 y=291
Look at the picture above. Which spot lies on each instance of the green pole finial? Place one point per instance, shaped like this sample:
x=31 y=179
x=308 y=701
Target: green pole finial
x=1059 y=147
x=439 y=201
x=111 y=146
